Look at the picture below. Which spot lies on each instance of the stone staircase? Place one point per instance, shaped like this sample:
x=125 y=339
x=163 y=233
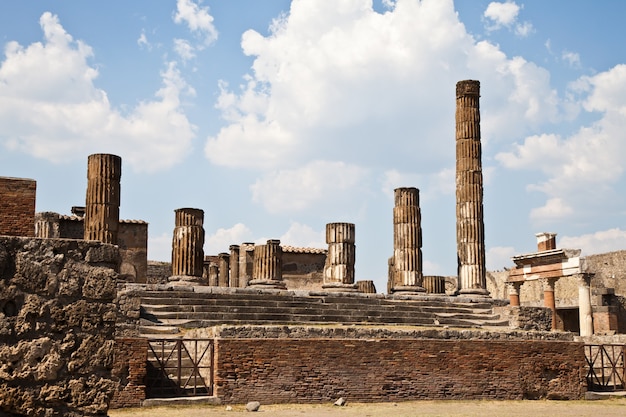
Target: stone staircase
x=167 y=313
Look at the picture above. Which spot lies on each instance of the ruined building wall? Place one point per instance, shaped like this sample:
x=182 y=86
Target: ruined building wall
x=17 y=206
x=57 y=326
x=318 y=369
x=303 y=268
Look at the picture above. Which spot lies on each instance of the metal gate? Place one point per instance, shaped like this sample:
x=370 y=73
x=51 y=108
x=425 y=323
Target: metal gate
x=179 y=368
x=606 y=371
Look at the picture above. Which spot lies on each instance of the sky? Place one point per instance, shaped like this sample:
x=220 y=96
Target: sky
x=277 y=117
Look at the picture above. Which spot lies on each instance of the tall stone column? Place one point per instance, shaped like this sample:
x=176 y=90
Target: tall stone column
x=234 y=265
x=246 y=263
x=214 y=272
x=187 y=246
x=102 y=204
x=223 y=260
x=470 y=233
x=407 y=242
x=339 y=266
x=548 y=297
x=268 y=266
x=584 y=304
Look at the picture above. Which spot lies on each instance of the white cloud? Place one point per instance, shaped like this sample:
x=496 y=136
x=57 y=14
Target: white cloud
x=60 y=115
x=589 y=159
x=221 y=240
x=572 y=58
x=502 y=14
x=303 y=235
x=499 y=257
x=554 y=209
x=316 y=183
x=142 y=41
x=184 y=49
x=505 y=15
x=599 y=242
x=197 y=19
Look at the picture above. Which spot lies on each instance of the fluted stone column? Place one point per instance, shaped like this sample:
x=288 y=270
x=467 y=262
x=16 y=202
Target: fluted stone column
x=584 y=304
x=234 y=265
x=407 y=242
x=223 y=260
x=339 y=266
x=470 y=233
x=102 y=204
x=246 y=263
x=435 y=284
x=214 y=272
x=268 y=266
x=187 y=246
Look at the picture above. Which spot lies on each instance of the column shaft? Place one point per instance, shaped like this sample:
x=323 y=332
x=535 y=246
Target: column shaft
x=102 y=203
x=469 y=191
x=268 y=266
x=339 y=265
x=224 y=269
x=187 y=245
x=234 y=265
x=584 y=305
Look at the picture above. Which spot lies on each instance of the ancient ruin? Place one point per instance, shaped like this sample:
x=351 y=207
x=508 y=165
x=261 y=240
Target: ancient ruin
x=470 y=229
x=87 y=323
x=406 y=264
x=187 y=245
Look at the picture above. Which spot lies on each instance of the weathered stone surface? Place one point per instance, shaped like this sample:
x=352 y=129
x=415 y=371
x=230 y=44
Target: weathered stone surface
x=57 y=326
x=253 y=406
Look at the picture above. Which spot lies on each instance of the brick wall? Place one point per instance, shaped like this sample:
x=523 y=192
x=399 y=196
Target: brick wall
x=17 y=206
x=322 y=370
x=129 y=367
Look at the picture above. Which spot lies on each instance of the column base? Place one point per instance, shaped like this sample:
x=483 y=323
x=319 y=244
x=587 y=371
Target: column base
x=476 y=292
x=408 y=289
x=186 y=280
x=267 y=283
x=340 y=287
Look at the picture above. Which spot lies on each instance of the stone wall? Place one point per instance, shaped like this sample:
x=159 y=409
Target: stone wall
x=57 y=326
x=129 y=370
x=308 y=366
x=158 y=272
x=17 y=206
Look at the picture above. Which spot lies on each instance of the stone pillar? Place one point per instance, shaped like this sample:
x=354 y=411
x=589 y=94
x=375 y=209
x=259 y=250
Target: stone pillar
x=434 y=284
x=470 y=233
x=548 y=297
x=187 y=246
x=339 y=266
x=223 y=265
x=366 y=286
x=246 y=263
x=513 y=290
x=268 y=266
x=546 y=241
x=234 y=265
x=584 y=304
x=214 y=272
x=407 y=242
x=102 y=204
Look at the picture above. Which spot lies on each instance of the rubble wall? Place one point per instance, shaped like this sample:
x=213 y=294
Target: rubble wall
x=17 y=206
x=319 y=369
x=57 y=326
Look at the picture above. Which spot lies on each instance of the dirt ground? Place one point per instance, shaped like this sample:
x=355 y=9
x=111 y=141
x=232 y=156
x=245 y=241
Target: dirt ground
x=603 y=408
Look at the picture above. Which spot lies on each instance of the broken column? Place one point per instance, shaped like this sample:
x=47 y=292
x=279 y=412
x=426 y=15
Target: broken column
x=545 y=241
x=339 y=266
x=234 y=265
x=187 y=246
x=513 y=291
x=548 y=297
x=223 y=263
x=268 y=266
x=584 y=304
x=102 y=203
x=470 y=234
x=246 y=263
x=406 y=272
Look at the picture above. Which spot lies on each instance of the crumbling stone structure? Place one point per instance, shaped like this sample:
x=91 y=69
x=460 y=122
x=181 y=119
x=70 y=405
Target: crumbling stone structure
x=187 y=246
x=102 y=205
x=57 y=326
x=470 y=229
x=339 y=267
x=406 y=263
x=268 y=266
x=17 y=206
x=234 y=265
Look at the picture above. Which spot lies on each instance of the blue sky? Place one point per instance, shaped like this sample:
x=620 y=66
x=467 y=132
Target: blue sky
x=278 y=117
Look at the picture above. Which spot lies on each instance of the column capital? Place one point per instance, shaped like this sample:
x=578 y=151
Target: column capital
x=513 y=287
x=584 y=278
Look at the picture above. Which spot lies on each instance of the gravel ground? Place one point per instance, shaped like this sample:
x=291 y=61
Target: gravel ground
x=602 y=408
